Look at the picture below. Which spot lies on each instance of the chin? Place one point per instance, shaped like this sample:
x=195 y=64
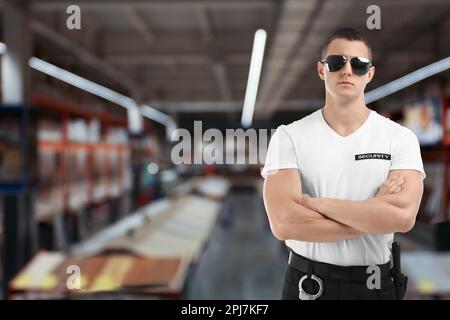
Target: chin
x=345 y=95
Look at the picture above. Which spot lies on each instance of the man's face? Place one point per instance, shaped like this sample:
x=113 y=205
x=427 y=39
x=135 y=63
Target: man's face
x=344 y=84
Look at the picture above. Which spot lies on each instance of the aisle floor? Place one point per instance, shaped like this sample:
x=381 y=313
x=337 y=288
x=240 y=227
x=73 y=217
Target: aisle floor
x=242 y=260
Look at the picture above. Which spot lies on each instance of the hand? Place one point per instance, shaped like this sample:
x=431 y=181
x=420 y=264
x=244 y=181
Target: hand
x=392 y=185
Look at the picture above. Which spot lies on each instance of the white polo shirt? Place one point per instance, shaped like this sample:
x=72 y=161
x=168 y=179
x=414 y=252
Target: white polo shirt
x=349 y=168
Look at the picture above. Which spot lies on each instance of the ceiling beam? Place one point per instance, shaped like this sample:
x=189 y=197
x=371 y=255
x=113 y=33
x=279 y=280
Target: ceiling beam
x=179 y=41
x=222 y=81
x=49 y=5
x=287 y=35
x=93 y=38
x=205 y=22
x=140 y=25
x=300 y=58
x=84 y=55
x=296 y=63
x=401 y=38
x=172 y=59
x=226 y=106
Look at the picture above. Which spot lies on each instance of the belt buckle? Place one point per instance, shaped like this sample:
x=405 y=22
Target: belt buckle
x=303 y=295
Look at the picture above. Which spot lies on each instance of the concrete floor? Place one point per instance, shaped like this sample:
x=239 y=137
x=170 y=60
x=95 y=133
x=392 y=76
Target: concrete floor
x=242 y=260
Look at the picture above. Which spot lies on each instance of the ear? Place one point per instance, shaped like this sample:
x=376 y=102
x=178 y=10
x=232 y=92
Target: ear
x=320 y=70
x=370 y=74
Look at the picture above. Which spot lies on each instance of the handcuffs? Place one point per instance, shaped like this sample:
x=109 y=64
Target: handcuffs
x=303 y=295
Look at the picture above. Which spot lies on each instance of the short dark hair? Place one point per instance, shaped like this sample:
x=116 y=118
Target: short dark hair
x=348 y=34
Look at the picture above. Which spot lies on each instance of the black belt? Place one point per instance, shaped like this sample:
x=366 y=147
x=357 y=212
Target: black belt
x=335 y=272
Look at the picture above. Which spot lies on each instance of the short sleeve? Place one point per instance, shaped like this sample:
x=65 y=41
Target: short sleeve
x=406 y=153
x=281 y=152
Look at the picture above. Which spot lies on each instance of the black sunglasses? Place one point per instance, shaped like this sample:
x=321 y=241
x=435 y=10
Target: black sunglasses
x=360 y=65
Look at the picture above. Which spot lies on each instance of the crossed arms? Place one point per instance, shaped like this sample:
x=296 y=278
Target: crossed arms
x=297 y=217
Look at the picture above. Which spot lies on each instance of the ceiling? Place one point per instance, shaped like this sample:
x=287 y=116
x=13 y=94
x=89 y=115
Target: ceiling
x=193 y=56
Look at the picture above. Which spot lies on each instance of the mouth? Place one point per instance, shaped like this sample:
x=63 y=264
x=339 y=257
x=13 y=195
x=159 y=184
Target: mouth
x=346 y=82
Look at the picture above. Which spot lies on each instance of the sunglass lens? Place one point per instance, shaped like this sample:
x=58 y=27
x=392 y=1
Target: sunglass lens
x=335 y=62
x=360 y=65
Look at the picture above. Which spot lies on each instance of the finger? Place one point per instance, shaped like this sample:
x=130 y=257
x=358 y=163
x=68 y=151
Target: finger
x=391 y=190
x=400 y=180
x=395 y=176
x=394 y=187
x=392 y=182
x=396 y=184
x=389 y=183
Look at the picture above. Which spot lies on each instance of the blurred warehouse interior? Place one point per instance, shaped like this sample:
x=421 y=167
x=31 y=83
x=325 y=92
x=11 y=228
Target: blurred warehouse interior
x=87 y=176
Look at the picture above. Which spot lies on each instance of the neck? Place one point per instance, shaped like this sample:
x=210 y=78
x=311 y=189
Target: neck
x=346 y=116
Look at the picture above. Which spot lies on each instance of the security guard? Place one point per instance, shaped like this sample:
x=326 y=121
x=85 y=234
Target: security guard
x=340 y=182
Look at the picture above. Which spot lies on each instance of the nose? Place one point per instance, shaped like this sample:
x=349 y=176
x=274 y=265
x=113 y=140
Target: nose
x=347 y=69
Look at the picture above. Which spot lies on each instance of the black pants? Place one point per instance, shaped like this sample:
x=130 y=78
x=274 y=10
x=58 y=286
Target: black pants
x=336 y=290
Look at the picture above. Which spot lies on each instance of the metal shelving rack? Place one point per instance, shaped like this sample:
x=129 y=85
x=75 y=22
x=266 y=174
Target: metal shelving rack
x=97 y=164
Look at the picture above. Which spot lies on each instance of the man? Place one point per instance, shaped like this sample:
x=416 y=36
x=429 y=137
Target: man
x=340 y=182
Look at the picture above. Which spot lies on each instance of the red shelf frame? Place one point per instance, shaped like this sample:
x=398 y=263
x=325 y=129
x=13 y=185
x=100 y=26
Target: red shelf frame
x=66 y=110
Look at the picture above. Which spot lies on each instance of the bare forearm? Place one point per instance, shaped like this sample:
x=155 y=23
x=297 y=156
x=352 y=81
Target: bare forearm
x=322 y=230
x=304 y=224
x=290 y=219
x=374 y=215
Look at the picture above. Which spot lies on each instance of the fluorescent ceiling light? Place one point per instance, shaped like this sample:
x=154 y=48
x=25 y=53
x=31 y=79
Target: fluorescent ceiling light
x=93 y=88
x=81 y=82
x=407 y=80
x=97 y=89
x=259 y=43
x=156 y=115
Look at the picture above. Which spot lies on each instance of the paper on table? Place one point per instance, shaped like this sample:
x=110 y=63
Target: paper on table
x=151 y=272
x=38 y=273
x=181 y=231
x=113 y=272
